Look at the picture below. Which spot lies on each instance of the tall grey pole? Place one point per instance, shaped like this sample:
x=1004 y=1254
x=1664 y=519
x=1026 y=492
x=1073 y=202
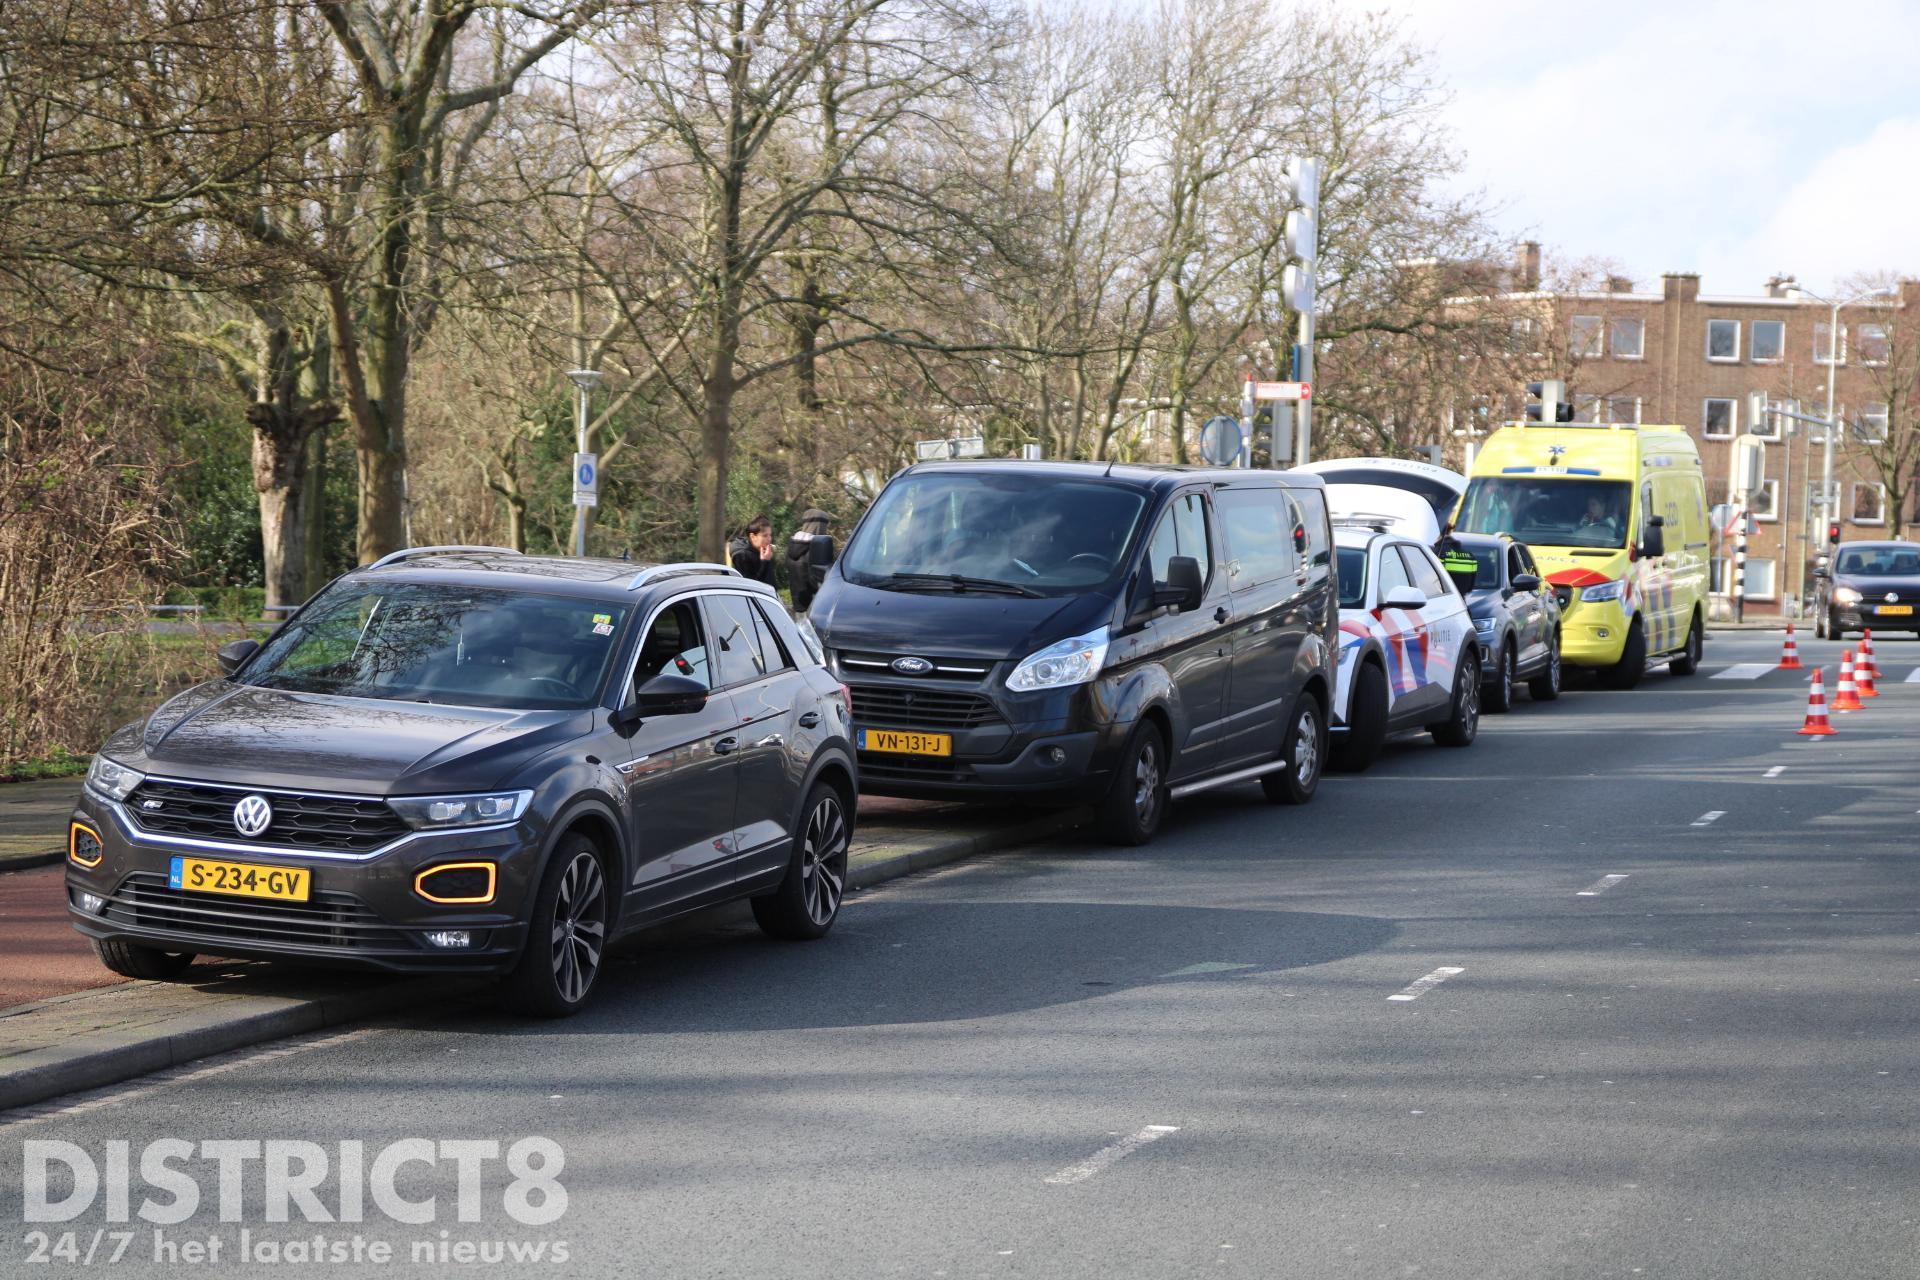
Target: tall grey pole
x=1829 y=502
x=584 y=381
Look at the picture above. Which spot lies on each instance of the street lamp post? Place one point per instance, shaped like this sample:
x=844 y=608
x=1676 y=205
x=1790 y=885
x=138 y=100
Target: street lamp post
x=1829 y=504
x=584 y=382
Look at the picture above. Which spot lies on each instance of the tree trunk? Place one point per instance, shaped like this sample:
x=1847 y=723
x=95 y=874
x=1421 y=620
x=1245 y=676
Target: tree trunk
x=716 y=432
x=312 y=513
x=280 y=476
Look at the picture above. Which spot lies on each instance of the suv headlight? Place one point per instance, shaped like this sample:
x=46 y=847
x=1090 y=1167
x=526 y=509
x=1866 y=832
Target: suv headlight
x=1601 y=594
x=114 y=781
x=1483 y=625
x=435 y=812
x=1070 y=662
x=1845 y=595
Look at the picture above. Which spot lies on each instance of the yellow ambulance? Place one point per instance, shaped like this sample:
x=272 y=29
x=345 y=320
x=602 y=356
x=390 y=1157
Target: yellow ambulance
x=1616 y=516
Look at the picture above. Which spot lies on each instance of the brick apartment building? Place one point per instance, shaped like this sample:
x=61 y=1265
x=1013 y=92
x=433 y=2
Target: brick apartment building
x=1691 y=358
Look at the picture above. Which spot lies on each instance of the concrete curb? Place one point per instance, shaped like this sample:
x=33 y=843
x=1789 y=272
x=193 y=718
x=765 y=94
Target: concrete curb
x=28 y=861
x=110 y=1057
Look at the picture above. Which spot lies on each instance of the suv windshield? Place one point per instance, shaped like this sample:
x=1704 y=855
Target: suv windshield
x=1015 y=533
x=412 y=642
x=1548 y=511
x=1880 y=562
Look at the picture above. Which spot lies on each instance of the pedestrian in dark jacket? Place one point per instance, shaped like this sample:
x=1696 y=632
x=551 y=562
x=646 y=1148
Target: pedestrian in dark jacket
x=813 y=524
x=753 y=554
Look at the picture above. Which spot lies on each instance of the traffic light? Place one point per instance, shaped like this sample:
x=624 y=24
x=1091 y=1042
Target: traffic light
x=1833 y=534
x=1757 y=413
x=1542 y=394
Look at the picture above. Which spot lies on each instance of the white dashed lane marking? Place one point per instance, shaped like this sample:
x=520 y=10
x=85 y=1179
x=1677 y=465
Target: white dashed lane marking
x=1600 y=886
x=1426 y=984
x=1109 y=1154
x=1776 y=771
x=1710 y=817
x=1913 y=676
x=1744 y=671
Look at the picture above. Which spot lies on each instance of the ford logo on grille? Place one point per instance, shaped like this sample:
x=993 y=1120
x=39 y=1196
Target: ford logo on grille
x=1893 y=597
x=252 y=815
x=911 y=666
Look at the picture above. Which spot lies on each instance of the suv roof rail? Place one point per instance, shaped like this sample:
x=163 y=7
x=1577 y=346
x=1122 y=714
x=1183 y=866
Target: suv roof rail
x=653 y=571
x=408 y=553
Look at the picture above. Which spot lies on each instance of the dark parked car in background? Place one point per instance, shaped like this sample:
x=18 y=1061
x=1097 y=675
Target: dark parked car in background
x=1870 y=585
x=1515 y=616
x=1125 y=635
x=468 y=760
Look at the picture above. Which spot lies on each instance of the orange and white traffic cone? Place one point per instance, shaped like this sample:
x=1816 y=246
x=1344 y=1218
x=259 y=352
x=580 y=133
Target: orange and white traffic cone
x=1789 y=653
x=1863 y=677
x=1866 y=655
x=1816 y=725
x=1846 y=697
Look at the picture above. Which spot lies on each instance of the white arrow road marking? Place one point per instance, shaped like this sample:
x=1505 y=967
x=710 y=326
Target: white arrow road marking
x=1913 y=676
x=1710 y=817
x=1743 y=671
x=1776 y=771
x=1109 y=1154
x=1434 y=979
x=1600 y=886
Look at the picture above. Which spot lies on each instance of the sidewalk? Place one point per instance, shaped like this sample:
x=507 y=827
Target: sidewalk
x=69 y=1038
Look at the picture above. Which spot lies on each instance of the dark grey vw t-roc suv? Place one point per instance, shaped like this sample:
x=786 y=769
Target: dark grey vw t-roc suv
x=464 y=759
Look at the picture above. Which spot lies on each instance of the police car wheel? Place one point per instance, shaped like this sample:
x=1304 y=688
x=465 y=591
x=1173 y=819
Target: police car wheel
x=1461 y=727
x=1500 y=688
x=1366 y=721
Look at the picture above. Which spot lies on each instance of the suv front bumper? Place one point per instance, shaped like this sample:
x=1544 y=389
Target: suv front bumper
x=361 y=912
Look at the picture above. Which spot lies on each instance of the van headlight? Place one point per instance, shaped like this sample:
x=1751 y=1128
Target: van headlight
x=804 y=626
x=1601 y=594
x=1057 y=666
x=114 y=781
x=1845 y=595
x=437 y=812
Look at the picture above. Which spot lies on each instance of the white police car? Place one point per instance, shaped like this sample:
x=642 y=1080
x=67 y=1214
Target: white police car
x=1409 y=658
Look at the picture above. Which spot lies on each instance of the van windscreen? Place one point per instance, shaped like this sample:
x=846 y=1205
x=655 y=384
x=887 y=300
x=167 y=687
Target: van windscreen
x=1026 y=533
x=1548 y=510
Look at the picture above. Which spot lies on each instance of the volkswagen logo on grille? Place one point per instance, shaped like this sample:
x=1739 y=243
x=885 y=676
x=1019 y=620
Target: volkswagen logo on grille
x=1893 y=597
x=251 y=815
x=911 y=666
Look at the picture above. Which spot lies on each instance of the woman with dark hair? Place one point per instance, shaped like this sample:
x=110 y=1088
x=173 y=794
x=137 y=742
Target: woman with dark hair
x=752 y=555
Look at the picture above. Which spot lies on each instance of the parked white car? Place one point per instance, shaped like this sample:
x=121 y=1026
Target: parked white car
x=1409 y=658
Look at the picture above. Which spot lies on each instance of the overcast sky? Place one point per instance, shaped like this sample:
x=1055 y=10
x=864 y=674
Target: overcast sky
x=1732 y=139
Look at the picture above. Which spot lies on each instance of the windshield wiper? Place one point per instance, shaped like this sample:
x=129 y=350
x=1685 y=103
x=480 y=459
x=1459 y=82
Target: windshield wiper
x=961 y=582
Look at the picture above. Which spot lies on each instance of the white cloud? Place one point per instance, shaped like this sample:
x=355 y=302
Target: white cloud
x=1731 y=137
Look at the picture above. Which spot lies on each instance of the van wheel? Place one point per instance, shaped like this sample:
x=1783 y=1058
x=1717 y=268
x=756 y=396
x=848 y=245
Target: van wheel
x=1366 y=721
x=808 y=900
x=1626 y=673
x=131 y=960
x=1304 y=752
x=1689 y=662
x=1545 y=687
x=1136 y=799
x=1500 y=688
x=1461 y=727
x=566 y=936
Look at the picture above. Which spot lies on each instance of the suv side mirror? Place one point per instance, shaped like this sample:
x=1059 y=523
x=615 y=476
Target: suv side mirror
x=1184 y=586
x=1404 y=597
x=1526 y=582
x=234 y=654
x=1822 y=574
x=668 y=694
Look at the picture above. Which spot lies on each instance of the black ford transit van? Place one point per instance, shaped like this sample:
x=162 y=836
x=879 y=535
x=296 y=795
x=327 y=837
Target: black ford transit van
x=1124 y=635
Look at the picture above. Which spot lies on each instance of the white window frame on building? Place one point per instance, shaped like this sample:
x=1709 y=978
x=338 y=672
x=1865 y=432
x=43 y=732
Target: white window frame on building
x=1766 y=506
x=1706 y=418
x=1853 y=502
x=1878 y=341
x=1871 y=426
x=1594 y=329
x=1634 y=325
x=1729 y=359
x=1527 y=334
x=1588 y=408
x=1615 y=405
x=1780 y=344
x=1762 y=578
x=1821 y=344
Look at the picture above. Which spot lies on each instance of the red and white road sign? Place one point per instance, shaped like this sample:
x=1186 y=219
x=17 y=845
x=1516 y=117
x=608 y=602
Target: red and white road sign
x=1283 y=391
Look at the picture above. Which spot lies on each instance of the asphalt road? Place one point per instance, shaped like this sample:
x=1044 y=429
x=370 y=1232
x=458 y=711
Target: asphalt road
x=1076 y=1061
